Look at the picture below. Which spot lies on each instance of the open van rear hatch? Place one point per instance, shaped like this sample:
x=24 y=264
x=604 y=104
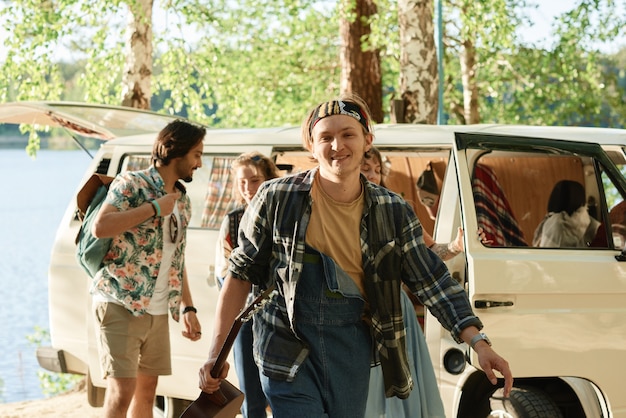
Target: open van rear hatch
x=88 y=120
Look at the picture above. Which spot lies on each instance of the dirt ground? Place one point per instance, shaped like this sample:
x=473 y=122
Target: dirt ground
x=67 y=405
x=73 y=404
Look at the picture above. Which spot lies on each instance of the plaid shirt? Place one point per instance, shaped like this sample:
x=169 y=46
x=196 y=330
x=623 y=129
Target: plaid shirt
x=271 y=249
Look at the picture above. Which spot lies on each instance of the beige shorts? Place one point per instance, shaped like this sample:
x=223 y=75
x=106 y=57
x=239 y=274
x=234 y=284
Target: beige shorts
x=129 y=344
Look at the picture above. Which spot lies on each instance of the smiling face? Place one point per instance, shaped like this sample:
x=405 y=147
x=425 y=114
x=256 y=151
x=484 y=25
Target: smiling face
x=248 y=180
x=339 y=144
x=186 y=165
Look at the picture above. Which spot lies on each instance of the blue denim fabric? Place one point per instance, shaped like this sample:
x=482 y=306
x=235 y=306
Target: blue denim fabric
x=333 y=380
x=424 y=400
x=254 y=404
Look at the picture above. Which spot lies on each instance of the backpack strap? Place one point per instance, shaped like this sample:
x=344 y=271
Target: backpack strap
x=89 y=190
x=149 y=180
x=151 y=183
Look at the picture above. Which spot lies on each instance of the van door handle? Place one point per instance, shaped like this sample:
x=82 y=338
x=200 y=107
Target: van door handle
x=486 y=304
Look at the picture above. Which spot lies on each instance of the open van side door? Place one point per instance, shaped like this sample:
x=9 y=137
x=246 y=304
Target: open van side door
x=549 y=311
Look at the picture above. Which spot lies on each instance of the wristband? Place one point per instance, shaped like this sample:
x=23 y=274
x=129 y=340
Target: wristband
x=189 y=309
x=157 y=208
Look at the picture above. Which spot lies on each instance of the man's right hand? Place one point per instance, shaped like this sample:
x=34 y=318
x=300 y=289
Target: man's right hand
x=208 y=383
x=167 y=202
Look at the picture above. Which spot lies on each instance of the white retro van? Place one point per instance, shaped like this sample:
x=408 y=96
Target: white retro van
x=558 y=315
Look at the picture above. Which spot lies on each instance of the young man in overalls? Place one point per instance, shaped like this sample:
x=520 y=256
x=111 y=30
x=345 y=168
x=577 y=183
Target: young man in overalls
x=338 y=248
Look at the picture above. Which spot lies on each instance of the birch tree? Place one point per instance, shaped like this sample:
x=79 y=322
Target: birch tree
x=137 y=75
x=418 y=61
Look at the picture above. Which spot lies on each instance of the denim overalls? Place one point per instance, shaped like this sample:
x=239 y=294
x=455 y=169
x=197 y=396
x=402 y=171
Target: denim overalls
x=333 y=380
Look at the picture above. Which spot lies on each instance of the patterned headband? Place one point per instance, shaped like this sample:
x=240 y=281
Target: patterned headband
x=338 y=107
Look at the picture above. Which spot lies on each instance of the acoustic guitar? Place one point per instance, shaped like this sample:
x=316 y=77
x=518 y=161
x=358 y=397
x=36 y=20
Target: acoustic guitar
x=226 y=401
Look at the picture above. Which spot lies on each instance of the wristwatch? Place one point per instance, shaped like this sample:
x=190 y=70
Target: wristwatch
x=478 y=337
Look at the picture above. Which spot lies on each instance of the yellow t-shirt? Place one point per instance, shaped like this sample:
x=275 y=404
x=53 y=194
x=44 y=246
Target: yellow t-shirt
x=334 y=229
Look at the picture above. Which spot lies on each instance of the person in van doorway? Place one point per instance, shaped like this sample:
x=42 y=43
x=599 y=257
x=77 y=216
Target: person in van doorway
x=567 y=223
x=338 y=248
x=250 y=170
x=375 y=170
x=424 y=400
x=144 y=274
x=428 y=191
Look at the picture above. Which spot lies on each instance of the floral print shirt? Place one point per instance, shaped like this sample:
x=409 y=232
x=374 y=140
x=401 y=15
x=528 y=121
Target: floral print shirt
x=132 y=265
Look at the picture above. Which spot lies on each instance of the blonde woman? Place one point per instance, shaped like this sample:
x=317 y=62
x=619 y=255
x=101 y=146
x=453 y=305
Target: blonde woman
x=250 y=170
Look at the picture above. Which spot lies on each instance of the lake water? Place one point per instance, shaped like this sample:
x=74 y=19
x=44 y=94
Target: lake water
x=35 y=194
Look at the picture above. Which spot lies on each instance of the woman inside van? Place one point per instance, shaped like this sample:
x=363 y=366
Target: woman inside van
x=568 y=223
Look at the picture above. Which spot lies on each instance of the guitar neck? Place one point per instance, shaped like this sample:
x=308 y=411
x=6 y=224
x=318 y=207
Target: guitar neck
x=245 y=315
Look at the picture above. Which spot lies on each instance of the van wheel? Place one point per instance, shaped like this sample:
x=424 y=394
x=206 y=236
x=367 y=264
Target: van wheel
x=524 y=402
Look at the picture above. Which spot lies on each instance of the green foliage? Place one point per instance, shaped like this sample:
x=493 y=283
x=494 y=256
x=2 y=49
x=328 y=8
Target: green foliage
x=263 y=63
x=487 y=28
x=52 y=383
x=569 y=83
x=250 y=63
x=252 y=70
x=28 y=70
x=546 y=94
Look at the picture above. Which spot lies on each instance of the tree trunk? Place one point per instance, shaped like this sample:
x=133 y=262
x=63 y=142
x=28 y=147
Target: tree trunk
x=470 y=87
x=418 y=61
x=360 y=70
x=136 y=80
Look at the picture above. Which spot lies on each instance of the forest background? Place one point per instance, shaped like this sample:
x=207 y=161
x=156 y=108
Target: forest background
x=259 y=63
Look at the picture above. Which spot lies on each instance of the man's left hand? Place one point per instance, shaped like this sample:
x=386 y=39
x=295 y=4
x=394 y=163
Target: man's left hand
x=193 y=331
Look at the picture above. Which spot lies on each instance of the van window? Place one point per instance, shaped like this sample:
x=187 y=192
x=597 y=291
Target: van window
x=135 y=162
x=219 y=197
x=211 y=191
x=543 y=200
x=212 y=194
x=405 y=168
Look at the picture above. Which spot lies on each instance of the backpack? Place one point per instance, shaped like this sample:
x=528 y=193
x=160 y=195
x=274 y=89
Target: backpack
x=90 y=251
